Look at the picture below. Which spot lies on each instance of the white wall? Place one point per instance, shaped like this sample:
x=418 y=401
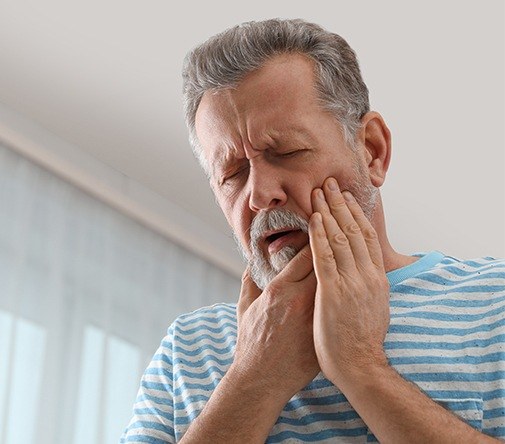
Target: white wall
x=436 y=72
x=105 y=76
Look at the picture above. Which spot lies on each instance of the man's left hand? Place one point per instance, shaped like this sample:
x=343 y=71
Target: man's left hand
x=351 y=308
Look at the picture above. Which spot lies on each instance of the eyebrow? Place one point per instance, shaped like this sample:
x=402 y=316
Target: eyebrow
x=298 y=133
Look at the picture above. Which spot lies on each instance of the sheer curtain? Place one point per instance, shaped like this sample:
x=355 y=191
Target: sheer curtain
x=86 y=295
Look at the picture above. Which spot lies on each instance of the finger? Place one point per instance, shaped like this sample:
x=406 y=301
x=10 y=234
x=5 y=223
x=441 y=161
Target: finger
x=249 y=292
x=345 y=219
x=367 y=230
x=325 y=266
x=297 y=268
x=338 y=241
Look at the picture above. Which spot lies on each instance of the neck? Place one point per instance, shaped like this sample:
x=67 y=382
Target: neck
x=392 y=259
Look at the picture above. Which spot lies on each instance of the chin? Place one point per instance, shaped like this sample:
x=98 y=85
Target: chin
x=282 y=258
x=263 y=271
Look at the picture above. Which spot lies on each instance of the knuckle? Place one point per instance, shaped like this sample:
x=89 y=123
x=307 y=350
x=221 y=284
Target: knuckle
x=340 y=239
x=351 y=228
x=296 y=305
x=327 y=257
x=337 y=205
x=370 y=233
x=293 y=304
x=273 y=290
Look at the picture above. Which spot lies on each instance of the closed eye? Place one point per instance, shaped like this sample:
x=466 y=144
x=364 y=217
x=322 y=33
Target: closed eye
x=289 y=154
x=236 y=175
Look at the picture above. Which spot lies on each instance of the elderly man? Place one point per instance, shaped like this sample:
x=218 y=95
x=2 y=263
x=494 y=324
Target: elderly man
x=336 y=337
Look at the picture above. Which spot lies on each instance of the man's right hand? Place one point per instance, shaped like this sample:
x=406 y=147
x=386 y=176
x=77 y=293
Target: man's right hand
x=274 y=358
x=275 y=346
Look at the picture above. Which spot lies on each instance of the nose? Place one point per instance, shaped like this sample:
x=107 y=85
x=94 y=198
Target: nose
x=266 y=187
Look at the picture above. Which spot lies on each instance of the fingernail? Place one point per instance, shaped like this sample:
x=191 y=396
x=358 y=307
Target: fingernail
x=332 y=184
x=320 y=194
x=348 y=196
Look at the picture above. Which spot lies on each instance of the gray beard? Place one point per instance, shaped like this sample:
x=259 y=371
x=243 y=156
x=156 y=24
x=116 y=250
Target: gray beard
x=264 y=269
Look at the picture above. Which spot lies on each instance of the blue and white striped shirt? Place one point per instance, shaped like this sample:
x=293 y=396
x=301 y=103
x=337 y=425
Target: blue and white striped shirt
x=447 y=335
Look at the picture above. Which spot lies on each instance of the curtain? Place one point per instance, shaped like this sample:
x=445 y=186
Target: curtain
x=86 y=295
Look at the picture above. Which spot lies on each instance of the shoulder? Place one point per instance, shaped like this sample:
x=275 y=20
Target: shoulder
x=208 y=326
x=475 y=263
x=472 y=286
x=485 y=269
x=217 y=314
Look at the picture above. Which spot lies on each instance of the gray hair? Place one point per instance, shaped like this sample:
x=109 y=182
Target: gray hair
x=226 y=58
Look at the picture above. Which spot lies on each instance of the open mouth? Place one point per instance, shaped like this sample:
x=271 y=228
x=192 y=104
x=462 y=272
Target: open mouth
x=277 y=240
x=273 y=237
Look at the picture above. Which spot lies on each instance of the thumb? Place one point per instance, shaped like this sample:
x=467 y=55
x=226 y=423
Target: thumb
x=299 y=267
x=249 y=292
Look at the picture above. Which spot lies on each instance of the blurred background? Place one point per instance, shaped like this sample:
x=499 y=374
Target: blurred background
x=108 y=229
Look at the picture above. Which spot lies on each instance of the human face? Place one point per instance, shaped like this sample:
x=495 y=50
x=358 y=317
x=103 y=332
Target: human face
x=268 y=143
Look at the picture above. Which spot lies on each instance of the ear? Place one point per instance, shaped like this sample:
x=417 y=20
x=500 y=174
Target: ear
x=375 y=137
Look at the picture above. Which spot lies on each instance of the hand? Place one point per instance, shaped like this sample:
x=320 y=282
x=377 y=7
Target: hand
x=275 y=347
x=351 y=308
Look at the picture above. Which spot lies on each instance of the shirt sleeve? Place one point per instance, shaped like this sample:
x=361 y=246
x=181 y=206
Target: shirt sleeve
x=153 y=411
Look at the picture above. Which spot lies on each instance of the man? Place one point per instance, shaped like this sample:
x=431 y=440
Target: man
x=336 y=337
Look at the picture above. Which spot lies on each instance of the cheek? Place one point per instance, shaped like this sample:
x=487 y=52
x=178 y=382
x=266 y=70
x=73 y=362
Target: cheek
x=237 y=215
x=304 y=193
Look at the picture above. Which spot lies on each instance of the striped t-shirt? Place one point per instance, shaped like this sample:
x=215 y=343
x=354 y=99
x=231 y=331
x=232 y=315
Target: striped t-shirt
x=447 y=335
